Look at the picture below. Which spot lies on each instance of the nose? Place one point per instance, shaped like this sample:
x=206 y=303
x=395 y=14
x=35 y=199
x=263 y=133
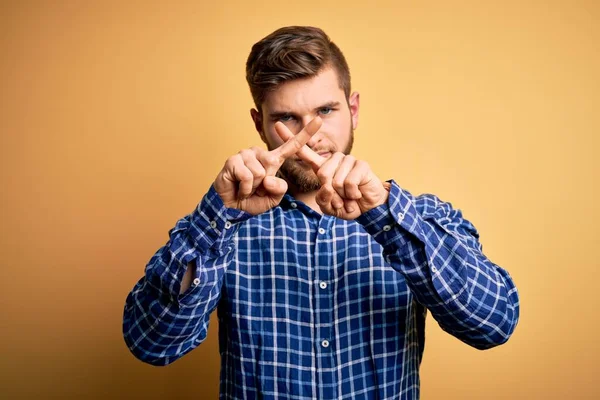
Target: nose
x=317 y=137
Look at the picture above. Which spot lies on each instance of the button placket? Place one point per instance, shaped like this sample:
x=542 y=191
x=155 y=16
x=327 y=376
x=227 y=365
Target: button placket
x=324 y=274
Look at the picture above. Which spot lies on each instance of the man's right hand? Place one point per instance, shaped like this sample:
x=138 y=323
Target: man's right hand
x=247 y=181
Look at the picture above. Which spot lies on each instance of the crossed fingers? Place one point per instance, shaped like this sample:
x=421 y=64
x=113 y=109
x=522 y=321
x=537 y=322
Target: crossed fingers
x=248 y=180
x=296 y=143
x=348 y=186
x=343 y=172
x=254 y=167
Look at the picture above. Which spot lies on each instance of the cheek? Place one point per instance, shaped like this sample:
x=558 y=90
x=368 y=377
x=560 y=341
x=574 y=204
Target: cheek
x=273 y=139
x=339 y=128
x=270 y=135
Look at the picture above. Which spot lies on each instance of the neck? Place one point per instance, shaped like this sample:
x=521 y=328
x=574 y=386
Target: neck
x=308 y=198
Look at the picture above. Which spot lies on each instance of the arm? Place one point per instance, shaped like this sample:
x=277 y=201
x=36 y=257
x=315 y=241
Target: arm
x=439 y=253
x=427 y=241
x=163 y=320
x=187 y=278
x=167 y=312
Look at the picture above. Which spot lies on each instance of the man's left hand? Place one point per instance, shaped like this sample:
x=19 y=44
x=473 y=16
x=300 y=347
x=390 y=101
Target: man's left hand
x=348 y=186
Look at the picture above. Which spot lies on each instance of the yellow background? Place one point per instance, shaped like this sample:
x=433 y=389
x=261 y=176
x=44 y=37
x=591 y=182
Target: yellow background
x=115 y=118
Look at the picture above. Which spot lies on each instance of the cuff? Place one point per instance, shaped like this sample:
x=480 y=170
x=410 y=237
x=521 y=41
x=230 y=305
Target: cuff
x=389 y=222
x=211 y=228
x=212 y=221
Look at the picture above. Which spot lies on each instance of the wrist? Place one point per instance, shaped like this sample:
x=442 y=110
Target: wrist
x=385 y=194
x=382 y=198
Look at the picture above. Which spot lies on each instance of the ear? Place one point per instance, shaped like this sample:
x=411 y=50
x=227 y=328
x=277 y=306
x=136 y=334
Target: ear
x=258 y=123
x=354 y=103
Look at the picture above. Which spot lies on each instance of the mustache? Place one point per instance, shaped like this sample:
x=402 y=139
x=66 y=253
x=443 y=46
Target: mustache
x=323 y=150
x=332 y=149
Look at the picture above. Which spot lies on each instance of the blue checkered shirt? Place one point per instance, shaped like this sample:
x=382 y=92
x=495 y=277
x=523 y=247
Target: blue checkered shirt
x=315 y=307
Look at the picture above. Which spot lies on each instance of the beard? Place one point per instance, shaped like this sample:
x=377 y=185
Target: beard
x=301 y=176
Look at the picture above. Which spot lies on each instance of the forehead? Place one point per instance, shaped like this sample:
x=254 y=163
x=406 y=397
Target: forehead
x=303 y=95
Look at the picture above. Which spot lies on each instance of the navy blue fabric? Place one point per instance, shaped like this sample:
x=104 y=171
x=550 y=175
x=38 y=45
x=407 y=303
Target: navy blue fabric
x=312 y=306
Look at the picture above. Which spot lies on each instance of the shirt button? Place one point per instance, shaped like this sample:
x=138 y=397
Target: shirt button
x=387 y=228
x=227 y=225
x=213 y=224
x=400 y=215
x=434 y=269
x=325 y=343
x=323 y=285
x=321 y=231
x=294 y=205
x=196 y=281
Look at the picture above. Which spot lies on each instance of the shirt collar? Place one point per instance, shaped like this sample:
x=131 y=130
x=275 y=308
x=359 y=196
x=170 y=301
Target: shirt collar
x=288 y=202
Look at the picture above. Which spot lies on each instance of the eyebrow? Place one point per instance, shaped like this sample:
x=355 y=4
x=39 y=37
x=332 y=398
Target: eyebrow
x=279 y=114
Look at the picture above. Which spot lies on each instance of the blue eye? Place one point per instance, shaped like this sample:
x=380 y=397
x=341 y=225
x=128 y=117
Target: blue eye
x=285 y=118
x=326 y=110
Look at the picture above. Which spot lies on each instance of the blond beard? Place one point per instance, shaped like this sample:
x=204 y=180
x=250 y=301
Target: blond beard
x=302 y=178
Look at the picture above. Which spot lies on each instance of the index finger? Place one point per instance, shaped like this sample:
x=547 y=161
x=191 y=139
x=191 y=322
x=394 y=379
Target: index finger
x=295 y=143
x=306 y=154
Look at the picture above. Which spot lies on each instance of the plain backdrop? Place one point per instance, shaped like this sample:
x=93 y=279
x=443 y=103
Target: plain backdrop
x=115 y=118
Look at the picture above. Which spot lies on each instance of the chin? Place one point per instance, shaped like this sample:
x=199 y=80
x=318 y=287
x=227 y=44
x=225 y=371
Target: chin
x=301 y=176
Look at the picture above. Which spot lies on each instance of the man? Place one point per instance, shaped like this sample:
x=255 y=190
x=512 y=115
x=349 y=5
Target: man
x=322 y=274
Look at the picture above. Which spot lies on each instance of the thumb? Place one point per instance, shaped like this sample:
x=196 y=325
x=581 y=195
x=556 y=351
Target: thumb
x=275 y=186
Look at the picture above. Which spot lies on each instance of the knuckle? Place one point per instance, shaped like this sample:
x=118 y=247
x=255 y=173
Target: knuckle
x=322 y=174
x=230 y=162
x=338 y=183
x=323 y=195
x=260 y=174
x=362 y=164
x=271 y=159
x=246 y=155
x=245 y=174
x=350 y=183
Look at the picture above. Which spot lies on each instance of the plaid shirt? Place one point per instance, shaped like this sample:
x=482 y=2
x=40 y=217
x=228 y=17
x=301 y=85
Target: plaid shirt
x=312 y=306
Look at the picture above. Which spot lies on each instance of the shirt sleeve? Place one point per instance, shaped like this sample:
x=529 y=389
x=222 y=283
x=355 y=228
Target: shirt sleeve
x=161 y=325
x=439 y=254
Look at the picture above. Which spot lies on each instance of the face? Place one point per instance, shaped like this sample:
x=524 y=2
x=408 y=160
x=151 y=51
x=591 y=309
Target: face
x=296 y=103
